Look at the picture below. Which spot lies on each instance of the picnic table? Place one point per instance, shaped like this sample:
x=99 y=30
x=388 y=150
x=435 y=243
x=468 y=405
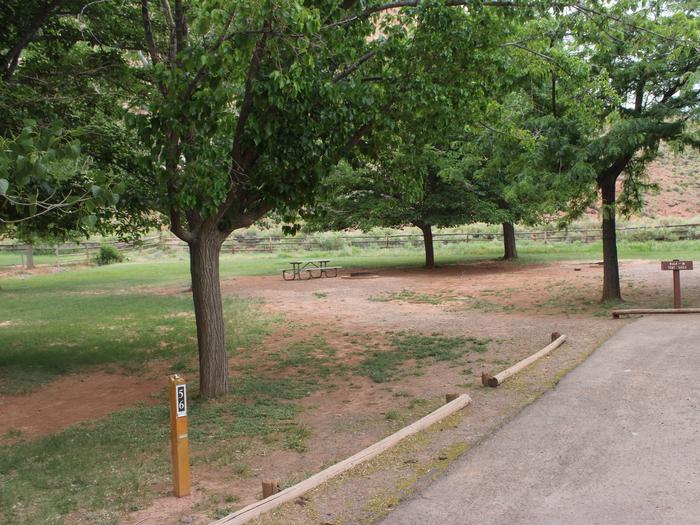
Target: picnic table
x=310 y=268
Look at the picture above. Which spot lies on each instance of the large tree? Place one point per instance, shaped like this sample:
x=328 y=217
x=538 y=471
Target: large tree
x=254 y=101
x=612 y=83
x=650 y=53
x=410 y=188
x=623 y=79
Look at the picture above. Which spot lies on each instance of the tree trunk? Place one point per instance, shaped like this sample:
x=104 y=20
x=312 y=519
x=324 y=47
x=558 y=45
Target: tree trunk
x=611 y=270
x=428 y=244
x=510 y=250
x=209 y=313
x=30 y=257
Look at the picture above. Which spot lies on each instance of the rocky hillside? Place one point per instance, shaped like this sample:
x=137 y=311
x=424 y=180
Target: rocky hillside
x=678 y=176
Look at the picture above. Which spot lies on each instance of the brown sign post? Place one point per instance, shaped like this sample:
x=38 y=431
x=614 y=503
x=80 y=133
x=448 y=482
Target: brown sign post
x=676 y=266
x=179 y=440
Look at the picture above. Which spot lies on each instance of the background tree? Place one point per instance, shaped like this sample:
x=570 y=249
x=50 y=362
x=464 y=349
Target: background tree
x=620 y=80
x=650 y=53
x=408 y=189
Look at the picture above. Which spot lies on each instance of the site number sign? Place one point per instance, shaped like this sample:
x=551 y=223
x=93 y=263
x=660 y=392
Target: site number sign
x=181 y=392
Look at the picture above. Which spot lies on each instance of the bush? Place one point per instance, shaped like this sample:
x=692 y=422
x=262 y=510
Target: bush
x=108 y=254
x=330 y=241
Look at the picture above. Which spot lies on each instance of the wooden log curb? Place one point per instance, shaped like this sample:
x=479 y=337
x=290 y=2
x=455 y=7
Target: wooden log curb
x=493 y=381
x=641 y=311
x=259 y=507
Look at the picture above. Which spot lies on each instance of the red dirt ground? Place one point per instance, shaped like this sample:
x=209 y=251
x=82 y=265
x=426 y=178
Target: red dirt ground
x=75 y=398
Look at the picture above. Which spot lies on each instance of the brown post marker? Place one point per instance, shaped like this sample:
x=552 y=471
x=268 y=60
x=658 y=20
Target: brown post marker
x=450 y=397
x=179 y=441
x=676 y=288
x=269 y=488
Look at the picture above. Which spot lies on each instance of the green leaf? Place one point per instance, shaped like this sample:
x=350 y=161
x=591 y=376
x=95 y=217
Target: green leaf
x=4 y=185
x=89 y=220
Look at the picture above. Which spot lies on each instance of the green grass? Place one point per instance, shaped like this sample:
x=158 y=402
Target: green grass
x=409 y=296
x=58 y=331
x=313 y=357
x=17 y=258
x=382 y=365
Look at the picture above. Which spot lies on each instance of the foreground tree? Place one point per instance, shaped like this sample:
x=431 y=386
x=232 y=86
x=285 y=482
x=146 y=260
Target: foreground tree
x=254 y=102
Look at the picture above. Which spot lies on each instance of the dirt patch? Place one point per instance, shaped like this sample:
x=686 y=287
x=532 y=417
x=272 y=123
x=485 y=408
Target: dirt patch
x=75 y=398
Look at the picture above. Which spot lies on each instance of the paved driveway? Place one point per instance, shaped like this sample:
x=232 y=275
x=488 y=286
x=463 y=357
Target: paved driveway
x=617 y=442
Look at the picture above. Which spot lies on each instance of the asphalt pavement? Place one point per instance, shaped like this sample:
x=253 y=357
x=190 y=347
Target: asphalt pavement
x=616 y=442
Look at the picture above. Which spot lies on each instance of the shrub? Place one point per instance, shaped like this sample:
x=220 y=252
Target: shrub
x=330 y=241
x=108 y=254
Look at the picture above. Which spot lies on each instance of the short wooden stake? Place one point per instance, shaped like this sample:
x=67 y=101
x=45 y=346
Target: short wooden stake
x=450 y=397
x=179 y=440
x=269 y=488
x=488 y=380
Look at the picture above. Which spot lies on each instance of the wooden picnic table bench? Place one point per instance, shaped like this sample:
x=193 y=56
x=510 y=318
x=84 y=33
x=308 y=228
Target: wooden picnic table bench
x=306 y=269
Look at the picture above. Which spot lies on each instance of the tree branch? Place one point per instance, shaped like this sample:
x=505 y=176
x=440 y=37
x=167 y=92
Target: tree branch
x=167 y=12
x=414 y=3
x=355 y=66
x=180 y=26
x=202 y=70
x=9 y=61
x=247 y=104
x=615 y=169
x=247 y=219
x=177 y=228
x=150 y=42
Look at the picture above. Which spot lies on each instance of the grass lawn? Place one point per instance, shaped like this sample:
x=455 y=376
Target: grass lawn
x=17 y=258
x=134 y=314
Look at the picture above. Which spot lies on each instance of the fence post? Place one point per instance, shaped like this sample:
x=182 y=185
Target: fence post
x=30 y=257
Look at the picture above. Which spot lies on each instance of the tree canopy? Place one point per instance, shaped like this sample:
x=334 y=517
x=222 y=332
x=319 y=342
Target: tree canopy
x=67 y=69
x=210 y=114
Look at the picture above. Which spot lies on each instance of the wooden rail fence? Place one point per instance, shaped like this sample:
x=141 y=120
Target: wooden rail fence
x=276 y=243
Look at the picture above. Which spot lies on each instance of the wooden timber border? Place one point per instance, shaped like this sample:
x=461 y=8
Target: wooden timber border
x=643 y=311
x=494 y=381
x=259 y=507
